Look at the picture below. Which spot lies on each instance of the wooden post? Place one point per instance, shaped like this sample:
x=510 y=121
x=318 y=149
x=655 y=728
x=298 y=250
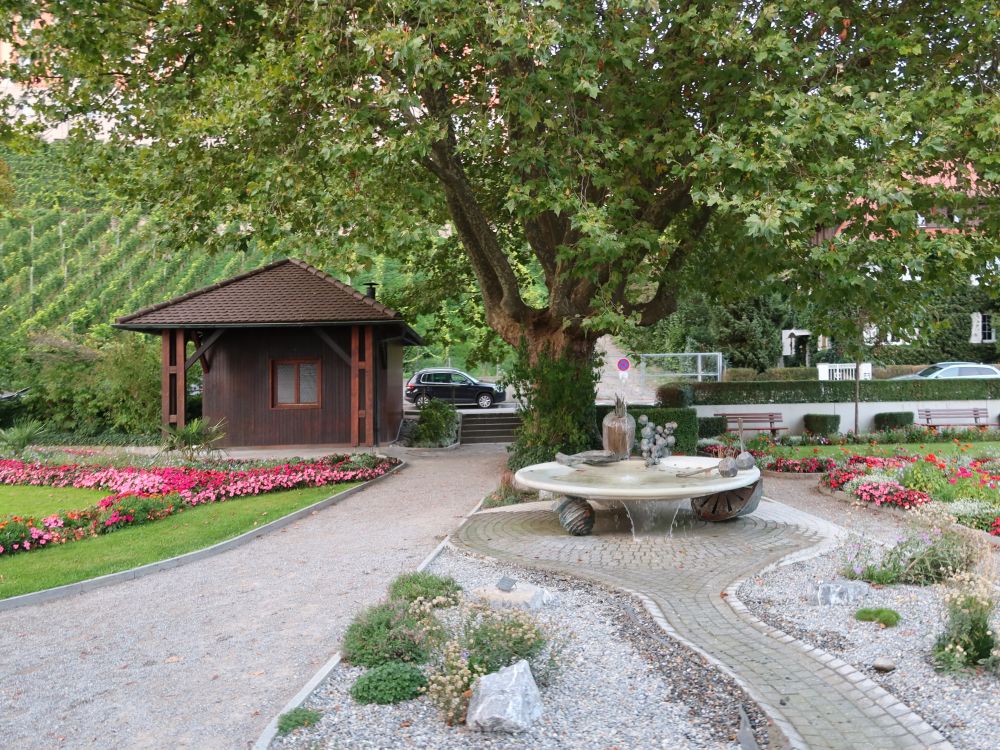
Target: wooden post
x=362 y=386
x=173 y=383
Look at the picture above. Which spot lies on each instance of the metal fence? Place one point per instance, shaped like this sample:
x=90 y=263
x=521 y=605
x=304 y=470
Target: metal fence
x=699 y=366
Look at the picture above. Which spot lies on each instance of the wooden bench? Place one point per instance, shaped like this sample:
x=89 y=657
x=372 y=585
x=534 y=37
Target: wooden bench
x=754 y=420
x=935 y=417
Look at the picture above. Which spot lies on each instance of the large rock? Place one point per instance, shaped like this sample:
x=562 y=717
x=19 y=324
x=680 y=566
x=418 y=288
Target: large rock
x=523 y=596
x=505 y=701
x=838 y=592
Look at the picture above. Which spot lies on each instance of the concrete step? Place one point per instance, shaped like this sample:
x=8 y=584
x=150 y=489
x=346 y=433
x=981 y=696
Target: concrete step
x=476 y=439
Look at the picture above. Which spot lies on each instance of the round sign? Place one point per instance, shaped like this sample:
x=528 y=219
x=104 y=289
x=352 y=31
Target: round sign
x=624 y=364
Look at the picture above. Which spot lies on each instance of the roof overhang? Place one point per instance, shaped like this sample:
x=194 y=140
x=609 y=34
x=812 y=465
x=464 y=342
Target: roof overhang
x=407 y=334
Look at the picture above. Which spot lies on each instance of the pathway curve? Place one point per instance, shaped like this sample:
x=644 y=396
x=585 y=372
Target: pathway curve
x=204 y=655
x=816 y=700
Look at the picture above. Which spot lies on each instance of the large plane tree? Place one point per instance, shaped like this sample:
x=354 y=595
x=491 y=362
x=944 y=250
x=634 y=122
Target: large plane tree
x=583 y=162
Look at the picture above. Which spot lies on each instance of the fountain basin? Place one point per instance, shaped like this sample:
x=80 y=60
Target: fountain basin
x=713 y=497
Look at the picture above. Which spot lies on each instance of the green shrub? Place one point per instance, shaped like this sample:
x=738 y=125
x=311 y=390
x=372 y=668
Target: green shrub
x=924 y=476
x=557 y=396
x=822 y=424
x=789 y=373
x=496 y=639
x=24 y=433
x=422 y=585
x=923 y=557
x=710 y=427
x=385 y=633
x=393 y=682
x=297 y=718
x=674 y=395
x=437 y=425
x=739 y=375
x=887 y=618
x=842 y=391
x=968 y=639
x=686 y=419
x=892 y=420
x=193 y=438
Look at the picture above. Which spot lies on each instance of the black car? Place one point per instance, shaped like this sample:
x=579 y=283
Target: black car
x=451 y=385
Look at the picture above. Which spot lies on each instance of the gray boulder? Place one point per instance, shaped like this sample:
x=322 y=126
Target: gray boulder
x=843 y=592
x=505 y=701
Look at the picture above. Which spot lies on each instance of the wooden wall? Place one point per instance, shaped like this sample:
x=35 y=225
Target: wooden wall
x=390 y=385
x=237 y=388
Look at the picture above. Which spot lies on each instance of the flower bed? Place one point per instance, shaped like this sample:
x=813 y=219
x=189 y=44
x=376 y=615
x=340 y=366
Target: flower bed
x=145 y=494
x=810 y=465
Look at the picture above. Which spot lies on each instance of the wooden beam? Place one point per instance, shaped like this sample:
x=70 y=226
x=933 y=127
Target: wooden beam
x=333 y=345
x=369 y=387
x=355 y=374
x=180 y=381
x=165 y=378
x=202 y=350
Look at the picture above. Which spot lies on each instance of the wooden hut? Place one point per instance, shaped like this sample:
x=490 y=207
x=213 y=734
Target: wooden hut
x=290 y=356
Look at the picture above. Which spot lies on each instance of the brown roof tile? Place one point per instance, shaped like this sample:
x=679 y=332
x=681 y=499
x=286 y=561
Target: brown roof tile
x=288 y=291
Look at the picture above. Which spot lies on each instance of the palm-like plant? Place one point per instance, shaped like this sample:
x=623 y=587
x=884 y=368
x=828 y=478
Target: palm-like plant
x=193 y=438
x=24 y=433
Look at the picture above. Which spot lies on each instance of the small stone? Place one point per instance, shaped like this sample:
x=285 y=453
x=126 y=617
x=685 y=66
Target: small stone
x=882 y=664
x=506 y=584
x=505 y=701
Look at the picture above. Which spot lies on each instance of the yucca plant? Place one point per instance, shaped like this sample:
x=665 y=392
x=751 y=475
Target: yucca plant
x=24 y=433
x=194 y=438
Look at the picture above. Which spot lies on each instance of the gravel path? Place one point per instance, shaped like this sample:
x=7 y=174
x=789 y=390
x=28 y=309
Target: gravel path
x=622 y=684
x=963 y=707
x=204 y=655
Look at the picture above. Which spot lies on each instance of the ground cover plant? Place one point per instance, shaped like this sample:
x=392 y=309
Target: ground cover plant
x=141 y=495
x=507 y=494
x=391 y=682
x=887 y=618
x=389 y=632
x=409 y=587
x=297 y=718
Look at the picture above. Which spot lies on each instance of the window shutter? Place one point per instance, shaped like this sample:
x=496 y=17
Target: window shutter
x=976 y=335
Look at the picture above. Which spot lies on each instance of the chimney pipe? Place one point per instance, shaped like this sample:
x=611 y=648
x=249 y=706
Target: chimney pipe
x=370 y=289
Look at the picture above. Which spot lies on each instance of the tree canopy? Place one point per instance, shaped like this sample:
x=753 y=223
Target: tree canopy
x=582 y=162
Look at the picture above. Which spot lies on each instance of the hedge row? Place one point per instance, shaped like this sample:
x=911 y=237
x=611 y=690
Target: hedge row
x=686 y=419
x=826 y=391
x=748 y=374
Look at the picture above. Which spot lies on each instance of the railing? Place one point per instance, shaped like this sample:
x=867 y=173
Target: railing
x=843 y=371
x=698 y=366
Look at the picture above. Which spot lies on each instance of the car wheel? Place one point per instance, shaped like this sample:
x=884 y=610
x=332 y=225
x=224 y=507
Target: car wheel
x=484 y=400
x=422 y=400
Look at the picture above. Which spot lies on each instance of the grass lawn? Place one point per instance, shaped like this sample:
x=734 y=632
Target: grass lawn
x=127 y=548
x=42 y=501
x=949 y=448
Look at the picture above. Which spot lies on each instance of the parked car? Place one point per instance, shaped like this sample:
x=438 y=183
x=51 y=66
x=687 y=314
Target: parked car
x=447 y=384
x=948 y=370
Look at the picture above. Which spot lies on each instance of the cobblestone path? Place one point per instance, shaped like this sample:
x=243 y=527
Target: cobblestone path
x=691 y=575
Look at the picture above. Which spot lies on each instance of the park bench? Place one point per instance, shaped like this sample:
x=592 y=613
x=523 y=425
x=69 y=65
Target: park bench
x=754 y=420
x=946 y=417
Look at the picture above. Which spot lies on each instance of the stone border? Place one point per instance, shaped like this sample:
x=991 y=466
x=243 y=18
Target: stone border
x=271 y=730
x=81 y=587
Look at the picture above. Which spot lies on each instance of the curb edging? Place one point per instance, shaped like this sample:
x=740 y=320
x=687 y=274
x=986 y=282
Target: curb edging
x=82 y=587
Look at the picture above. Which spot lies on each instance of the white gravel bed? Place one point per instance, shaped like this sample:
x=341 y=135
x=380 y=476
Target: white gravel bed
x=621 y=684
x=963 y=707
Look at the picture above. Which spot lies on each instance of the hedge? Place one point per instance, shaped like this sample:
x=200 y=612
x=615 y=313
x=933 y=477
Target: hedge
x=686 y=419
x=892 y=420
x=675 y=395
x=822 y=424
x=842 y=391
x=710 y=427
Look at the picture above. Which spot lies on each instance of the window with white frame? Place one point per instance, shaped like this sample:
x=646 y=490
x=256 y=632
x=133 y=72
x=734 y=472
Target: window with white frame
x=989 y=334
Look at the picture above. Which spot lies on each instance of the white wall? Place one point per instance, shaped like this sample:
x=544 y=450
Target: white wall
x=793 y=413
